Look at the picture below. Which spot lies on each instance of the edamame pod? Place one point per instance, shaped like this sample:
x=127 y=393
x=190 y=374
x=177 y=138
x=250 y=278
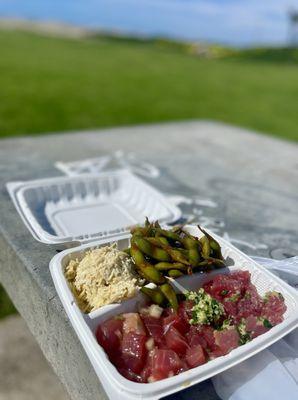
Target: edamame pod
x=155 y=295
x=165 y=266
x=205 y=246
x=189 y=243
x=216 y=262
x=194 y=256
x=169 y=293
x=214 y=245
x=152 y=251
x=147 y=270
x=177 y=255
x=168 y=234
x=175 y=273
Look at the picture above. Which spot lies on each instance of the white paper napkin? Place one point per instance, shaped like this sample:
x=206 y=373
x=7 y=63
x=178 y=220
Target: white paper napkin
x=273 y=373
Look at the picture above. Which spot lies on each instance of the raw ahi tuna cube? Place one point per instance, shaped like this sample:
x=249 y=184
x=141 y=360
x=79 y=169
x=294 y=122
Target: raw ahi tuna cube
x=165 y=363
x=274 y=307
x=194 y=337
x=175 y=341
x=132 y=323
x=241 y=276
x=185 y=311
x=195 y=356
x=109 y=336
x=223 y=286
x=226 y=340
x=208 y=334
x=134 y=351
x=250 y=304
x=177 y=321
x=254 y=326
x=154 y=327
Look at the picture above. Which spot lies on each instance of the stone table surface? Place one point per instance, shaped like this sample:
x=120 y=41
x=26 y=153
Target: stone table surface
x=241 y=184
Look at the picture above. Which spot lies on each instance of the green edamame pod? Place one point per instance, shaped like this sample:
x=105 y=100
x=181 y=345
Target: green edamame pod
x=155 y=241
x=202 y=263
x=160 y=254
x=175 y=273
x=137 y=255
x=168 y=234
x=156 y=224
x=205 y=246
x=177 y=255
x=194 y=256
x=158 y=241
x=169 y=293
x=216 y=262
x=143 y=245
x=185 y=252
x=142 y=230
x=152 y=251
x=139 y=231
x=163 y=240
x=147 y=270
x=214 y=245
x=155 y=295
x=189 y=243
x=165 y=266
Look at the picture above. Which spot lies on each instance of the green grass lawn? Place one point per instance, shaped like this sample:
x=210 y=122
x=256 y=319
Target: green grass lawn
x=53 y=84
x=50 y=84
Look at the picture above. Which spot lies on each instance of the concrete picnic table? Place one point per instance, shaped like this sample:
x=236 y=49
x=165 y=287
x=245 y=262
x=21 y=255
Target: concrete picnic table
x=241 y=184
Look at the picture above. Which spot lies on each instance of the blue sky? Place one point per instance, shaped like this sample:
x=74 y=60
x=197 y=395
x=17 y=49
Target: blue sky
x=237 y=22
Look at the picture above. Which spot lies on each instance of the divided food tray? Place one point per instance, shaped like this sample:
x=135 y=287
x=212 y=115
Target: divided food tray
x=118 y=387
x=83 y=208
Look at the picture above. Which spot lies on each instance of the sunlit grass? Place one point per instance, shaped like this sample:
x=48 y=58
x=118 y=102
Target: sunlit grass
x=53 y=84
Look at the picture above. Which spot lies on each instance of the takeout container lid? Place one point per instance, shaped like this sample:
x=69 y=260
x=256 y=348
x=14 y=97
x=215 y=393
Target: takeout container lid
x=84 y=208
x=118 y=387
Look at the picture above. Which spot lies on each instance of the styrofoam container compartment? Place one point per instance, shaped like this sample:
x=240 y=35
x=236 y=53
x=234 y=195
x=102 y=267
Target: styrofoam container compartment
x=118 y=387
x=72 y=209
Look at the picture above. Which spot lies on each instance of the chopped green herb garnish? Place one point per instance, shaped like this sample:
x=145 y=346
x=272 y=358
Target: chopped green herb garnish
x=226 y=323
x=244 y=339
x=267 y=323
x=273 y=293
x=224 y=292
x=206 y=310
x=234 y=298
x=244 y=335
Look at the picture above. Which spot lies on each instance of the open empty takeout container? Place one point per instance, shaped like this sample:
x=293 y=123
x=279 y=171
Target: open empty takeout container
x=96 y=210
x=64 y=210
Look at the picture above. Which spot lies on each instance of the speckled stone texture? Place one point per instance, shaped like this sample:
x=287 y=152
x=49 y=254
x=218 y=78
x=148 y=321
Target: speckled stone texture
x=21 y=379
x=252 y=178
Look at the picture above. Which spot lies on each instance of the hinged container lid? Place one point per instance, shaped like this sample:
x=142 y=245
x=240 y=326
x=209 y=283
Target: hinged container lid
x=88 y=207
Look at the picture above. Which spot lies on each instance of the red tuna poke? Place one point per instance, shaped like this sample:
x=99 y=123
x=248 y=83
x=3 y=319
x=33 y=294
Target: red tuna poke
x=156 y=343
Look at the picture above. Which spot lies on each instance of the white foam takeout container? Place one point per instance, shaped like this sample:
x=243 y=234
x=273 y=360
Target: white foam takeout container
x=118 y=387
x=78 y=209
x=97 y=209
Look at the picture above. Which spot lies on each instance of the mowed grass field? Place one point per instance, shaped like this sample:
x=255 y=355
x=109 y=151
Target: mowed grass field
x=55 y=84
